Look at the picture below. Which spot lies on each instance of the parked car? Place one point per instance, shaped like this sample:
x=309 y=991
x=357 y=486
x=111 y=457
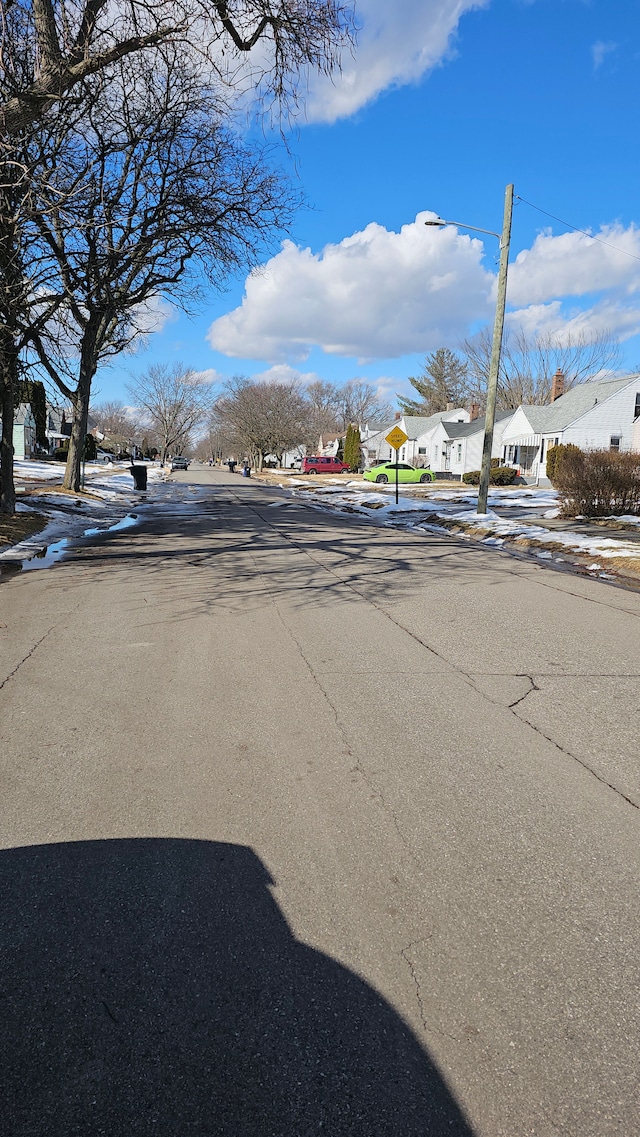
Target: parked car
x=386 y=472
x=180 y=463
x=319 y=465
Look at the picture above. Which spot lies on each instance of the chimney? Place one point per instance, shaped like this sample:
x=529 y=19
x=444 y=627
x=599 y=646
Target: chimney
x=450 y=406
x=557 y=385
x=474 y=411
x=397 y=416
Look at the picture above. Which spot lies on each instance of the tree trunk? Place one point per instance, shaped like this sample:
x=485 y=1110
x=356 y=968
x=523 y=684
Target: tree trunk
x=10 y=299
x=8 y=367
x=73 y=472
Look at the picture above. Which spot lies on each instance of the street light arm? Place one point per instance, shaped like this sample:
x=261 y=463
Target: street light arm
x=461 y=225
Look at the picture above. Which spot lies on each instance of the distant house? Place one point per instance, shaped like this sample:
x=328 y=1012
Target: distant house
x=457 y=446
x=24 y=432
x=55 y=429
x=596 y=415
x=329 y=444
x=418 y=450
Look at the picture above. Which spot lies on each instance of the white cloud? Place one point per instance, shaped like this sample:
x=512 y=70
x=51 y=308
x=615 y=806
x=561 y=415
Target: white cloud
x=600 y=50
x=606 y=317
x=574 y=265
x=153 y=315
x=398 y=43
x=377 y=294
x=284 y=373
x=209 y=376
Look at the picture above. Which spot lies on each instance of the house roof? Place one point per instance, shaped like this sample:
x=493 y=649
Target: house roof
x=573 y=404
x=416 y=426
x=23 y=415
x=464 y=429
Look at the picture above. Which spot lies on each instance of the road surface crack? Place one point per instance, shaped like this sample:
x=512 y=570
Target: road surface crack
x=467 y=677
x=532 y=688
x=26 y=657
x=426 y=1026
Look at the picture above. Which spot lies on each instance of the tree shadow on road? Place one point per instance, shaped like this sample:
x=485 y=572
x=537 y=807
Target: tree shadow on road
x=240 y=555
x=153 y=987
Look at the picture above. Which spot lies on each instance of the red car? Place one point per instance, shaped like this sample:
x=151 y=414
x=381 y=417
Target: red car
x=319 y=465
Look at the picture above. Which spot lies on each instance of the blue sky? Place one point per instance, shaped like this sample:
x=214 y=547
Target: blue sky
x=445 y=102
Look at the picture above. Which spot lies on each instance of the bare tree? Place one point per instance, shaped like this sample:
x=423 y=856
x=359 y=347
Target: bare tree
x=114 y=421
x=263 y=418
x=528 y=363
x=325 y=405
x=360 y=404
x=172 y=403
x=49 y=49
x=159 y=185
x=48 y=52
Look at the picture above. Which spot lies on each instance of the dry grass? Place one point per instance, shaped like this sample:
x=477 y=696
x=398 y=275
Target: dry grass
x=19 y=526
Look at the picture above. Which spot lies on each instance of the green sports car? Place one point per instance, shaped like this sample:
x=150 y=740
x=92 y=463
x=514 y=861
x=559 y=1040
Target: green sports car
x=386 y=472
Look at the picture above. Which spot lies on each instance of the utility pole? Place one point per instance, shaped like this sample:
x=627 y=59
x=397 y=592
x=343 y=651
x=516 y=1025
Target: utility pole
x=496 y=350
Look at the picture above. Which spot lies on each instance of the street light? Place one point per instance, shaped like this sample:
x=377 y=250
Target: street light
x=496 y=346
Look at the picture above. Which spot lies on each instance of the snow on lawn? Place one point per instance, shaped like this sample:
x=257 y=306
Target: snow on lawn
x=38 y=471
x=377 y=508
x=107 y=497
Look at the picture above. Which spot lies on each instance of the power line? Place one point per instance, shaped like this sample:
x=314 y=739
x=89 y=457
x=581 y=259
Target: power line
x=577 y=230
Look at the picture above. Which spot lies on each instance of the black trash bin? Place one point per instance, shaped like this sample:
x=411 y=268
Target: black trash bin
x=139 y=473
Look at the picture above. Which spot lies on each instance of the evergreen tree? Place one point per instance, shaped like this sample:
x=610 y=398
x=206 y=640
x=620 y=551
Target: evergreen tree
x=352 y=453
x=444 y=380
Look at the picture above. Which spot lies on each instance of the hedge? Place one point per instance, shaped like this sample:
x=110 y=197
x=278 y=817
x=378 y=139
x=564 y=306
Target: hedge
x=555 y=456
x=598 y=483
x=500 y=476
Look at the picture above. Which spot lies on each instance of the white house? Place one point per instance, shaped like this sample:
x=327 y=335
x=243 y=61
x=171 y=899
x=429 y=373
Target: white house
x=457 y=446
x=600 y=415
x=418 y=448
x=24 y=432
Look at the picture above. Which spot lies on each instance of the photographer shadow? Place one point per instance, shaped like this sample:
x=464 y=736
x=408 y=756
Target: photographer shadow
x=153 y=987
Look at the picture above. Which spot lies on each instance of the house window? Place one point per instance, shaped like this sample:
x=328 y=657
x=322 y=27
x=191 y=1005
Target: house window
x=422 y=450
x=636 y=413
x=459 y=456
x=615 y=442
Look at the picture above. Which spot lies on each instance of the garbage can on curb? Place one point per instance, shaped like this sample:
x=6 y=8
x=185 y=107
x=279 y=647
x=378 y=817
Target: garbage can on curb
x=139 y=474
x=246 y=470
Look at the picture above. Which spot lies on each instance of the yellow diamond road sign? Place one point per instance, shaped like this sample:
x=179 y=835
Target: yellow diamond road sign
x=396 y=437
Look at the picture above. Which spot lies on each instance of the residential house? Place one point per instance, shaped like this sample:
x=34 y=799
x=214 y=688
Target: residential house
x=604 y=414
x=418 y=449
x=457 y=446
x=24 y=432
x=55 y=429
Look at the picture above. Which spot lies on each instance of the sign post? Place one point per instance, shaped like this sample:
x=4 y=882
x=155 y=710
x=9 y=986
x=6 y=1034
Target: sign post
x=396 y=438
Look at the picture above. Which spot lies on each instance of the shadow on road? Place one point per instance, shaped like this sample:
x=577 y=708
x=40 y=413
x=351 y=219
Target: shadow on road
x=153 y=987
x=237 y=554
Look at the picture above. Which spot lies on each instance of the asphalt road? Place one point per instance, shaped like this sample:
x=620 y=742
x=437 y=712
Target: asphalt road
x=311 y=827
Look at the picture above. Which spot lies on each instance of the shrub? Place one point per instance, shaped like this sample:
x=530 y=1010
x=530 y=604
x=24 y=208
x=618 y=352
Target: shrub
x=556 y=454
x=495 y=462
x=500 y=476
x=503 y=476
x=598 y=483
x=61 y=454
